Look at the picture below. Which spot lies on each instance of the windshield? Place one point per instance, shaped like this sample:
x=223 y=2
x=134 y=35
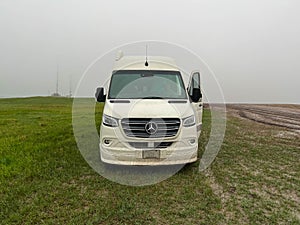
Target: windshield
x=126 y=84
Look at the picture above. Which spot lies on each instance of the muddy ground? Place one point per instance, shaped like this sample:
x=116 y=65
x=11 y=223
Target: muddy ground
x=287 y=116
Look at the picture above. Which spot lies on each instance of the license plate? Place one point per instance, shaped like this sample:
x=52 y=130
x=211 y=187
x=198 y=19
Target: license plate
x=151 y=154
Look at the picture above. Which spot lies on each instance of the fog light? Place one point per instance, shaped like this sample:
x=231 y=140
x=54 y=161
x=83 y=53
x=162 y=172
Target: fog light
x=192 y=141
x=106 y=141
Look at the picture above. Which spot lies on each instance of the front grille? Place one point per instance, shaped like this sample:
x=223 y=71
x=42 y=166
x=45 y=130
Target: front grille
x=144 y=145
x=135 y=127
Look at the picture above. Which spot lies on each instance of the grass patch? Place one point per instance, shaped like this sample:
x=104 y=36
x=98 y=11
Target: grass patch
x=44 y=178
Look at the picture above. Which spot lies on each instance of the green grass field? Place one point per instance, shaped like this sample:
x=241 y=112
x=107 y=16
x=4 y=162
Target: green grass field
x=44 y=179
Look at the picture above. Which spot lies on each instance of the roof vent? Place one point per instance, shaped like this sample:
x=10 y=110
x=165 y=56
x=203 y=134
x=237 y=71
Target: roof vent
x=119 y=55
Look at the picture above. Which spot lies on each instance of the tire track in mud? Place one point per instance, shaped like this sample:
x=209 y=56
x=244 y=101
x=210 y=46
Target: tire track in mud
x=282 y=116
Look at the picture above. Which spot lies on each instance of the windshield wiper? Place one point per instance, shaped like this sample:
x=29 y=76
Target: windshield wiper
x=153 y=97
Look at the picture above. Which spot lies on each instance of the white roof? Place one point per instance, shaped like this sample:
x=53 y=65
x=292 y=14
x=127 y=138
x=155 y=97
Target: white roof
x=138 y=63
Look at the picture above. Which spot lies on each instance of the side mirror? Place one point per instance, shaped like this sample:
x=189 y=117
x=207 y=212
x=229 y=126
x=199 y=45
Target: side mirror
x=99 y=95
x=196 y=95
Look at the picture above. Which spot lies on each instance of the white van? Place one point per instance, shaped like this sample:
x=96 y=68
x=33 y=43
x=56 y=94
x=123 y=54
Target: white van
x=149 y=116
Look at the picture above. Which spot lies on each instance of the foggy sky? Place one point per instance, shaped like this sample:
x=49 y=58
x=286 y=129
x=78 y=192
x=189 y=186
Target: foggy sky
x=252 y=46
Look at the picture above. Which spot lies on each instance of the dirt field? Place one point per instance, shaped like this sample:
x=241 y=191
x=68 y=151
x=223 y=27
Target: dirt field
x=287 y=116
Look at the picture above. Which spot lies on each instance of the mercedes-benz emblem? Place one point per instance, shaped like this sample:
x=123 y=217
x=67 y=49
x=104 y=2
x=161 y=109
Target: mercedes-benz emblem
x=151 y=127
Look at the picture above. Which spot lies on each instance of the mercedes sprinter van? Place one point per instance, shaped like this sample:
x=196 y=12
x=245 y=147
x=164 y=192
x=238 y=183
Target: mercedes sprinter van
x=150 y=117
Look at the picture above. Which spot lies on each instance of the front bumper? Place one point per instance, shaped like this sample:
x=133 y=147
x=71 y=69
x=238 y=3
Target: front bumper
x=184 y=148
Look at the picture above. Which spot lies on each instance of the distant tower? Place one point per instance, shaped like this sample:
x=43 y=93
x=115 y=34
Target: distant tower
x=56 y=94
x=56 y=79
x=70 y=88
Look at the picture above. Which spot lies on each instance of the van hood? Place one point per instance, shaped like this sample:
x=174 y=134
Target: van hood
x=148 y=108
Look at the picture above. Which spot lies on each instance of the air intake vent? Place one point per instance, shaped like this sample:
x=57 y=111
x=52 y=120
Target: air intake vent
x=144 y=145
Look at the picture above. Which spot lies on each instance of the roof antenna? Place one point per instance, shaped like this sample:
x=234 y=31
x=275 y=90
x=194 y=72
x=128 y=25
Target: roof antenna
x=146 y=63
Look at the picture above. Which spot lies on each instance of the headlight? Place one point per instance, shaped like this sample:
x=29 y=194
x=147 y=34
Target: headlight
x=189 y=121
x=109 y=121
